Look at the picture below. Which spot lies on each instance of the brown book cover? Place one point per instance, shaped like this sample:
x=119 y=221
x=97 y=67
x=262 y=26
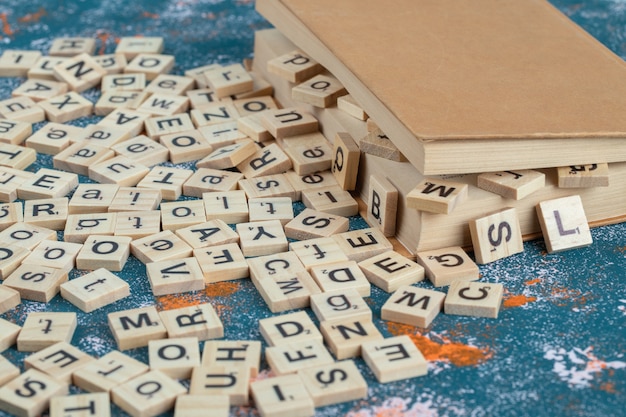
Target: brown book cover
x=469 y=86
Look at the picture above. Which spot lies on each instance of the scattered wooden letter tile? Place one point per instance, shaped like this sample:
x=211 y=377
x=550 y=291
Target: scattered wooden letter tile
x=254 y=105
x=106 y=136
x=47 y=212
x=53 y=138
x=22 y=109
x=148 y=394
x=382 y=205
x=229 y=206
x=125 y=118
x=197 y=74
x=496 y=236
x=111 y=101
x=378 y=143
x=137 y=224
x=345 y=165
x=284 y=395
x=289 y=358
x=334 y=383
x=143 y=150
x=119 y=170
x=228 y=156
x=332 y=200
x=78 y=157
x=564 y=224
x=437 y=196
x=311 y=224
x=200 y=321
x=246 y=353
x=47 y=183
x=278 y=264
x=308 y=158
x=135 y=199
x=390 y=270
x=8 y=371
x=42 y=69
x=170 y=84
x=150 y=64
x=204 y=180
x=59 y=361
x=158 y=126
x=16 y=63
x=222 y=134
x=362 y=244
x=111 y=63
x=185 y=146
x=169 y=180
x=26 y=235
x=229 y=80
x=317 y=252
x=131 y=46
x=276 y=185
x=161 y=246
x=97 y=404
x=340 y=276
x=282 y=123
x=110 y=252
x=14 y=132
x=66 y=107
x=16 y=157
x=54 y=254
x=95 y=290
x=348 y=304
x=271 y=208
x=36 y=282
x=478 y=299
x=43 y=329
x=349 y=105
x=165 y=105
x=345 y=336
x=202 y=96
x=283 y=292
x=320 y=91
x=199 y=405
x=108 y=371
x=294 y=66
x=212 y=114
x=175 y=276
x=42 y=387
x=584 y=176
x=10 y=213
x=123 y=82
x=292 y=327
x=136 y=327
x=413 y=306
x=394 y=358
x=10 y=180
x=261 y=237
x=92 y=198
x=221 y=262
x=72 y=46
x=11 y=257
x=265 y=161
x=8 y=334
x=299 y=183
x=211 y=233
x=251 y=126
x=38 y=90
x=175 y=357
x=80 y=72
x=182 y=214
x=231 y=380
x=512 y=184
x=9 y=298
x=442 y=266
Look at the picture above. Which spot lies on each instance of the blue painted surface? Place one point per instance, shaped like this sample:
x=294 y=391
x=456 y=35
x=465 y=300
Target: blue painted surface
x=559 y=345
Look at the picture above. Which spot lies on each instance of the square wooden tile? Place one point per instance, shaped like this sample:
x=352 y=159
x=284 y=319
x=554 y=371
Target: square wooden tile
x=52 y=138
x=23 y=109
x=78 y=157
x=283 y=264
x=136 y=327
x=107 y=372
x=261 y=237
x=295 y=66
x=31 y=406
x=26 y=235
x=445 y=265
x=42 y=69
x=14 y=132
x=564 y=224
x=47 y=183
x=114 y=100
x=151 y=64
x=43 y=329
x=11 y=257
x=332 y=200
x=47 y=212
x=201 y=405
x=67 y=107
x=16 y=63
x=334 y=383
x=341 y=276
x=95 y=290
x=312 y=224
x=390 y=270
x=35 y=282
x=496 y=236
x=229 y=80
x=282 y=396
x=224 y=379
x=16 y=157
x=8 y=371
x=271 y=208
x=211 y=233
x=382 y=205
x=283 y=292
x=8 y=334
x=221 y=134
x=185 y=146
x=275 y=185
x=350 y=106
x=10 y=180
x=206 y=180
x=125 y=118
x=123 y=82
x=175 y=357
x=169 y=180
x=394 y=359
x=110 y=252
x=131 y=46
x=362 y=244
x=72 y=46
x=515 y=185
x=164 y=105
x=317 y=252
x=92 y=198
x=151 y=394
x=345 y=336
x=79 y=227
x=583 y=176
x=282 y=123
x=10 y=214
x=182 y=214
x=161 y=246
x=311 y=155
x=213 y=114
x=119 y=170
x=320 y=91
x=245 y=353
x=222 y=262
x=289 y=328
x=107 y=136
x=111 y=63
x=289 y=358
x=437 y=196
x=200 y=321
x=478 y=299
x=59 y=361
x=171 y=84
x=413 y=306
x=229 y=206
x=268 y=160
x=175 y=276
x=9 y=298
x=128 y=199
x=72 y=405
x=348 y=304
x=54 y=254
x=228 y=156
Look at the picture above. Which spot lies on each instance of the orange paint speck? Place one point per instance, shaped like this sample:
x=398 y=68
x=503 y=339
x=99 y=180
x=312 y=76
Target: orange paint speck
x=6 y=27
x=150 y=15
x=222 y=289
x=172 y=301
x=447 y=351
x=33 y=17
x=608 y=387
x=533 y=281
x=103 y=36
x=518 y=300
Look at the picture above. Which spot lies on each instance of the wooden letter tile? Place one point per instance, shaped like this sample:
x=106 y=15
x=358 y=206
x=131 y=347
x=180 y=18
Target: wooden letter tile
x=111 y=63
x=345 y=336
x=182 y=214
x=294 y=66
x=47 y=183
x=584 y=176
x=106 y=136
x=135 y=199
x=11 y=257
x=131 y=46
x=390 y=270
x=221 y=134
x=512 y=184
x=43 y=329
x=22 y=109
x=119 y=170
x=332 y=200
x=231 y=380
x=261 y=238
x=274 y=208
x=245 y=353
x=148 y=394
x=382 y=205
x=38 y=90
x=92 y=198
x=229 y=206
x=228 y=156
x=79 y=227
x=9 y=298
x=42 y=387
x=334 y=383
x=159 y=126
x=564 y=224
x=437 y=196
x=77 y=405
x=377 y=143
x=8 y=371
x=73 y=46
x=137 y=224
x=107 y=372
x=496 y=236
x=136 y=327
x=35 y=282
x=78 y=157
x=266 y=161
x=95 y=290
x=214 y=114
x=111 y=101
x=10 y=180
x=8 y=334
x=54 y=254
x=169 y=180
x=46 y=212
x=211 y=233
x=221 y=262
x=43 y=69
x=66 y=107
x=394 y=358
x=349 y=105
x=478 y=299
x=26 y=235
x=185 y=146
x=340 y=276
x=199 y=406
x=311 y=224
x=16 y=157
x=175 y=276
x=282 y=396
x=251 y=126
x=16 y=63
x=164 y=105
x=289 y=328
x=14 y=132
x=413 y=306
x=205 y=180
x=311 y=157
x=289 y=358
x=10 y=213
x=131 y=120
x=362 y=244
x=123 y=82
x=170 y=84
x=348 y=304
x=276 y=185
x=229 y=80
x=319 y=91
x=287 y=122
x=283 y=292
x=150 y=64
x=317 y=252
x=110 y=252
x=59 y=361
x=445 y=265
x=175 y=357
x=199 y=321
x=161 y=246
x=53 y=138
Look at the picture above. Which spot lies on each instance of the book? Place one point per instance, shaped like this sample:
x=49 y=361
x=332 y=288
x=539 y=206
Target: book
x=419 y=230
x=469 y=86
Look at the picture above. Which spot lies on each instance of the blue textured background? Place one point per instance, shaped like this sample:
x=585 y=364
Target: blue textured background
x=558 y=347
